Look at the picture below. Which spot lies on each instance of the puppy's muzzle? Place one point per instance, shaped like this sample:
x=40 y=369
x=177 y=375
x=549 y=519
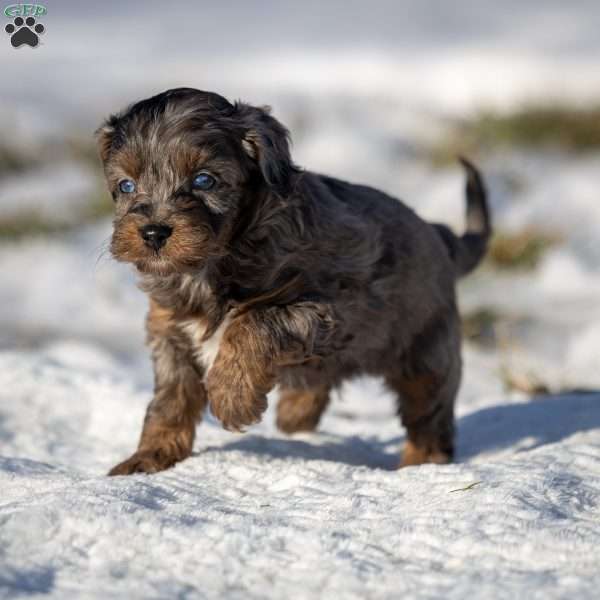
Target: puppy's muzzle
x=155 y=235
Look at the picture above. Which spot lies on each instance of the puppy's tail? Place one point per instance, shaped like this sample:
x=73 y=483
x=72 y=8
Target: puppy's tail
x=468 y=250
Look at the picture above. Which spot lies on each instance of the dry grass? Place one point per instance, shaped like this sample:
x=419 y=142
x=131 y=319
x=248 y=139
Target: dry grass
x=532 y=126
x=32 y=223
x=16 y=160
x=479 y=326
x=522 y=249
x=526 y=383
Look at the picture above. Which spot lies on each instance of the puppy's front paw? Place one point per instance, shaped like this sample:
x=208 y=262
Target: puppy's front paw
x=236 y=406
x=147 y=461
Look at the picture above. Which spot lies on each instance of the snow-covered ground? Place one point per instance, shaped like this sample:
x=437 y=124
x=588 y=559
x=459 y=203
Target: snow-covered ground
x=322 y=515
x=313 y=516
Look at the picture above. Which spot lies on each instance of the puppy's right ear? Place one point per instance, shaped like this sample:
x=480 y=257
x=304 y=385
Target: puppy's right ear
x=266 y=141
x=106 y=137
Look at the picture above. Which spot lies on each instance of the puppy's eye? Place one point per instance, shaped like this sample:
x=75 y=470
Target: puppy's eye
x=127 y=186
x=203 y=181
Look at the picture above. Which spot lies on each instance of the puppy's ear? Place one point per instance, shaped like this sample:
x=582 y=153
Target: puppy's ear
x=266 y=141
x=106 y=137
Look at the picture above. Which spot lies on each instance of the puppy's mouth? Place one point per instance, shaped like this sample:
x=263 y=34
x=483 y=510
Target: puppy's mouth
x=160 y=263
x=145 y=260
x=155 y=263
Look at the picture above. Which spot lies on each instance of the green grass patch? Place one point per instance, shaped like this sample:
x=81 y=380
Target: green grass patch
x=27 y=225
x=551 y=126
x=32 y=223
x=479 y=326
x=521 y=250
x=15 y=160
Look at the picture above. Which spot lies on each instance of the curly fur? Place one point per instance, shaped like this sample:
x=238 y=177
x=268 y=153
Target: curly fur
x=279 y=276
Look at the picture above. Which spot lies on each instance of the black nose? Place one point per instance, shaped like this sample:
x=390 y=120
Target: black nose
x=155 y=236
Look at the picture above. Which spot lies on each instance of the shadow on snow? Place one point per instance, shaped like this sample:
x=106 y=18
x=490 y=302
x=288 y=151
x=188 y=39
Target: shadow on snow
x=543 y=420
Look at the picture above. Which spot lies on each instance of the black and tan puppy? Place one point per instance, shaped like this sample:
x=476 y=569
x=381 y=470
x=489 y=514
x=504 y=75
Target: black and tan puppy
x=260 y=273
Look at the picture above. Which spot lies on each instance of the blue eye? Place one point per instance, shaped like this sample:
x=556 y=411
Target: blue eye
x=127 y=186
x=203 y=181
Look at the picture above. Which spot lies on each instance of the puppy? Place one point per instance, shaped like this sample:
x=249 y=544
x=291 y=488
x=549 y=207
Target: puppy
x=262 y=274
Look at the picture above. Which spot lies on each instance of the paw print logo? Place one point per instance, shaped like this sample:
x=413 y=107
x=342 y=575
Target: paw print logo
x=24 y=32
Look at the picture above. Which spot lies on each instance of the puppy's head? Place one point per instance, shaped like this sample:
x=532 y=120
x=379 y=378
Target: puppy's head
x=183 y=168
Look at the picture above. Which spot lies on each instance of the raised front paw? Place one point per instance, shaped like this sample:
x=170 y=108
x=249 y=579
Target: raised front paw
x=237 y=405
x=147 y=461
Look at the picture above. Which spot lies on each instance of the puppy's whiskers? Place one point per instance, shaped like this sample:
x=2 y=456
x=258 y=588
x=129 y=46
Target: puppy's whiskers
x=102 y=252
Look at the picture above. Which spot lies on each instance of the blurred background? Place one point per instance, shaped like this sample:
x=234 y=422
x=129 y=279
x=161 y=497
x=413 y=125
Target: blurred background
x=386 y=93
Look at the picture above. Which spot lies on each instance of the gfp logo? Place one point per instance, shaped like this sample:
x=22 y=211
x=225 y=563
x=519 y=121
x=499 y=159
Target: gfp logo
x=24 y=30
x=25 y=10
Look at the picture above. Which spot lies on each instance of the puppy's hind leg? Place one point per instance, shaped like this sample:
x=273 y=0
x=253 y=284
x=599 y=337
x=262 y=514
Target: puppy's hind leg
x=426 y=407
x=426 y=387
x=301 y=410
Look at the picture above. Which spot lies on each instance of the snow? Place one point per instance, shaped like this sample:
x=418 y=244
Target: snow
x=316 y=515
x=326 y=514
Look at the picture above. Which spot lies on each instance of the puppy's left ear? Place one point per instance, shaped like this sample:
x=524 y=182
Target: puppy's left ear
x=105 y=137
x=266 y=141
